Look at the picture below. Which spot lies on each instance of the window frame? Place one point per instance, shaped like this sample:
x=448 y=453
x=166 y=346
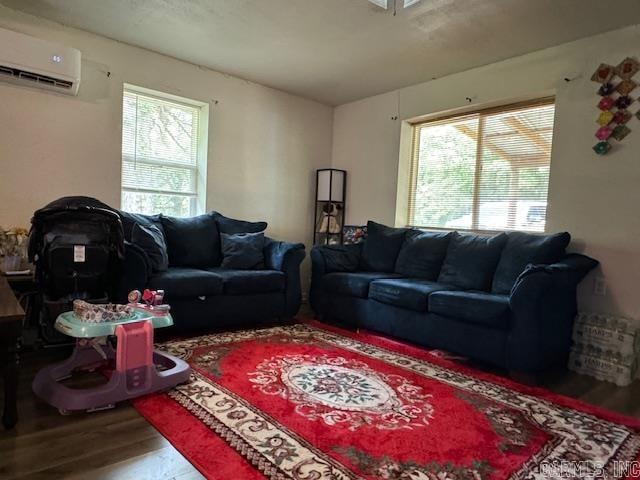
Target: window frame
x=199 y=198
x=413 y=163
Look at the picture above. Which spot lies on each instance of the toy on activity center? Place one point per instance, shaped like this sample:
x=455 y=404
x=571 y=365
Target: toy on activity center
x=108 y=334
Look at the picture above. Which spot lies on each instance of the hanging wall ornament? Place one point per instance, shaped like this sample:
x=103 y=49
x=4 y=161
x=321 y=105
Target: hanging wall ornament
x=604 y=132
x=606 y=89
x=627 y=68
x=615 y=101
x=606 y=103
x=601 y=148
x=603 y=74
x=620 y=132
x=623 y=102
x=626 y=87
x=605 y=118
x=621 y=117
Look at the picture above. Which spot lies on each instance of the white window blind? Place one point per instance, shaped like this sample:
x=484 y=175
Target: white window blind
x=487 y=170
x=160 y=151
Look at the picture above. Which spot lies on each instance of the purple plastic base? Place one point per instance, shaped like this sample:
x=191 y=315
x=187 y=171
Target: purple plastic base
x=119 y=387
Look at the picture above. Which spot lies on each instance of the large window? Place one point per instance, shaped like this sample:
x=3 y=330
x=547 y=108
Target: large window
x=487 y=170
x=163 y=153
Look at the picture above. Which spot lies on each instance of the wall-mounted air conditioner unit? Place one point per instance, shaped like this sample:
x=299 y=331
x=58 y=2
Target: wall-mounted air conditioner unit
x=30 y=61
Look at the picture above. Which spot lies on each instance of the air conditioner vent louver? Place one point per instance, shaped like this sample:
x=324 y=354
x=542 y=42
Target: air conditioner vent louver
x=34 y=77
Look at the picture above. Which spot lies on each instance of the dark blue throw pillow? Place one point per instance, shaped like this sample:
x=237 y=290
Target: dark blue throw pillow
x=422 y=254
x=341 y=258
x=151 y=239
x=380 y=249
x=242 y=251
x=471 y=261
x=192 y=241
x=231 y=225
x=525 y=248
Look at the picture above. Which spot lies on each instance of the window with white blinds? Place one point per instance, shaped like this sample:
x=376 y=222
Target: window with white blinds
x=487 y=170
x=162 y=145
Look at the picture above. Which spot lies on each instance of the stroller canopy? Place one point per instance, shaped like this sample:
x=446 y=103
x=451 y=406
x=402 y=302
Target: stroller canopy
x=74 y=211
x=77 y=245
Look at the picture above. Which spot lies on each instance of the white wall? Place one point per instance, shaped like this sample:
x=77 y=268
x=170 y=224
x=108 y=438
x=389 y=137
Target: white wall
x=264 y=145
x=596 y=199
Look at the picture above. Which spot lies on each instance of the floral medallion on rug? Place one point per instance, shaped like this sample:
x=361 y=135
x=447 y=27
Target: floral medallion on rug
x=309 y=402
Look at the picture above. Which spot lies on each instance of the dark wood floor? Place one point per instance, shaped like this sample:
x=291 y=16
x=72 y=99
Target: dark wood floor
x=113 y=444
x=120 y=444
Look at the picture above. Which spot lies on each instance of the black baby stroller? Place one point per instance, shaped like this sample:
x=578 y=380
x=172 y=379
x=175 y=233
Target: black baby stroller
x=76 y=244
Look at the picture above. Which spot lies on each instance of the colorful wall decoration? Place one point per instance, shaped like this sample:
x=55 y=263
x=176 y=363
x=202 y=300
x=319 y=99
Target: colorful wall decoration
x=616 y=87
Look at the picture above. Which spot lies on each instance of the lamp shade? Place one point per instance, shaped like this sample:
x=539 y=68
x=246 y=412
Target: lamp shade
x=331 y=185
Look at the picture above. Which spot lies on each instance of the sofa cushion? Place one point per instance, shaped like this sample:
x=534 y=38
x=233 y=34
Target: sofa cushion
x=231 y=225
x=250 y=281
x=422 y=254
x=180 y=282
x=471 y=261
x=354 y=284
x=522 y=249
x=150 y=238
x=481 y=308
x=380 y=249
x=409 y=293
x=242 y=251
x=192 y=241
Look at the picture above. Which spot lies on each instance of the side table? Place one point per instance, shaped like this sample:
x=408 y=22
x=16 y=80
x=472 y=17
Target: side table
x=11 y=315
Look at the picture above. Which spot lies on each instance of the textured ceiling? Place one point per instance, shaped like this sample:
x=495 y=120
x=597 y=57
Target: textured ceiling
x=335 y=51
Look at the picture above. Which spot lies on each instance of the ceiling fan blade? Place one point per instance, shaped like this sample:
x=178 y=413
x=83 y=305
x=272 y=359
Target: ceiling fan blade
x=381 y=3
x=385 y=3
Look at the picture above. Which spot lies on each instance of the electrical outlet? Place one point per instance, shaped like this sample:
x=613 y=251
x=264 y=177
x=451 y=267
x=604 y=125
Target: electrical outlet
x=600 y=286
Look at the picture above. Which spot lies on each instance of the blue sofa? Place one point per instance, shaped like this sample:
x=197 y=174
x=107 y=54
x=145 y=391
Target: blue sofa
x=203 y=294
x=508 y=300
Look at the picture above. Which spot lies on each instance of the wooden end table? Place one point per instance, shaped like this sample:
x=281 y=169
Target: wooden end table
x=11 y=315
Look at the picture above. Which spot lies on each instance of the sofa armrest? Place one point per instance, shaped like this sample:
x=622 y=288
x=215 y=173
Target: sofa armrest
x=279 y=255
x=567 y=273
x=135 y=272
x=287 y=257
x=543 y=305
x=327 y=259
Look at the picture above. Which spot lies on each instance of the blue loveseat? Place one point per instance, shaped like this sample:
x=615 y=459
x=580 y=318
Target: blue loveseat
x=202 y=292
x=508 y=300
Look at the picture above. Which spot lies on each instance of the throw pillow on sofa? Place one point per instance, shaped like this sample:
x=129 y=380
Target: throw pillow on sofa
x=192 y=241
x=242 y=251
x=422 y=254
x=471 y=261
x=341 y=258
x=525 y=248
x=231 y=225
x=151 y=239
x=380 y=249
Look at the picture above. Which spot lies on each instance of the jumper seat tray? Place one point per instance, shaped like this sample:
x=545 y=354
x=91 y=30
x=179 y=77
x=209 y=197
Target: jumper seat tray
x=69 y=324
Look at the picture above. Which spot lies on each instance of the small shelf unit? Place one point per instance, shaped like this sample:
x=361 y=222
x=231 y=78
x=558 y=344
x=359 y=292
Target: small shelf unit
x=330 y=206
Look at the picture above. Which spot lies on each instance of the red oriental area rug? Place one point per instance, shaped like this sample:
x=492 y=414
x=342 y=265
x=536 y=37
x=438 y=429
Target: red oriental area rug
x=306 y=402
